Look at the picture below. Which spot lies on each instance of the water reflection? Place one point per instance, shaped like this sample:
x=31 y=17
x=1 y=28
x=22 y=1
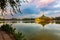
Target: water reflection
x=34 y=31
x=57 y=21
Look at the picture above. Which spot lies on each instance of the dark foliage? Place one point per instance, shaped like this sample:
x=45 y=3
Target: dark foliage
x=7 y=28
x=19 y=36
x=14 y=4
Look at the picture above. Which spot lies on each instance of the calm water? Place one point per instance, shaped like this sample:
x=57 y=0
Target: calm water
x=34 y=31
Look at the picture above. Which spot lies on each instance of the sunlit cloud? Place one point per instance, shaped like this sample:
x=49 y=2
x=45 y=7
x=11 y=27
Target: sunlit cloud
x=42 y=3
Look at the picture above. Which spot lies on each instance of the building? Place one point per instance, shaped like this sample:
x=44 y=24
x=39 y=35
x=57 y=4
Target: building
x=42 y=19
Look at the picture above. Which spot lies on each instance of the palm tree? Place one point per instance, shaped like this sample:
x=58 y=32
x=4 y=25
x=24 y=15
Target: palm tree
x=13 y=4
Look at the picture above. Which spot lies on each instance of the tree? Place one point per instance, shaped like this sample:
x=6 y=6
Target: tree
x=14 y=4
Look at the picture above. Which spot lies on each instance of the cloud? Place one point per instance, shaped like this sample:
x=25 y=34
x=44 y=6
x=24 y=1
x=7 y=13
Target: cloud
x=35 y=8
x=57 y=5
x=54 y=26
x=43 y=3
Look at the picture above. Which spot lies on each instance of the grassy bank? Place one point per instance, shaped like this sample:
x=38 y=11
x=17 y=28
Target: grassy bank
x=10 y=30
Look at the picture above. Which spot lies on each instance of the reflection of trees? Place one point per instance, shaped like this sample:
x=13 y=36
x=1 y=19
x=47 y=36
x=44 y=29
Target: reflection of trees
x=57 y=21
x=2 y=22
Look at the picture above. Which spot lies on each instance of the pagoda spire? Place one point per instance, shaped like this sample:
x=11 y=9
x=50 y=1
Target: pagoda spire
x=43 y=15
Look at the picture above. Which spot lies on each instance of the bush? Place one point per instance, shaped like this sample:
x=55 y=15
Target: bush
x=19 y=36
x=7 y=28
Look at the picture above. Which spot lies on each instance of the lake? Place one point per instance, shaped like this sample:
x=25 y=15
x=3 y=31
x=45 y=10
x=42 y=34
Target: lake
x=34 y=31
